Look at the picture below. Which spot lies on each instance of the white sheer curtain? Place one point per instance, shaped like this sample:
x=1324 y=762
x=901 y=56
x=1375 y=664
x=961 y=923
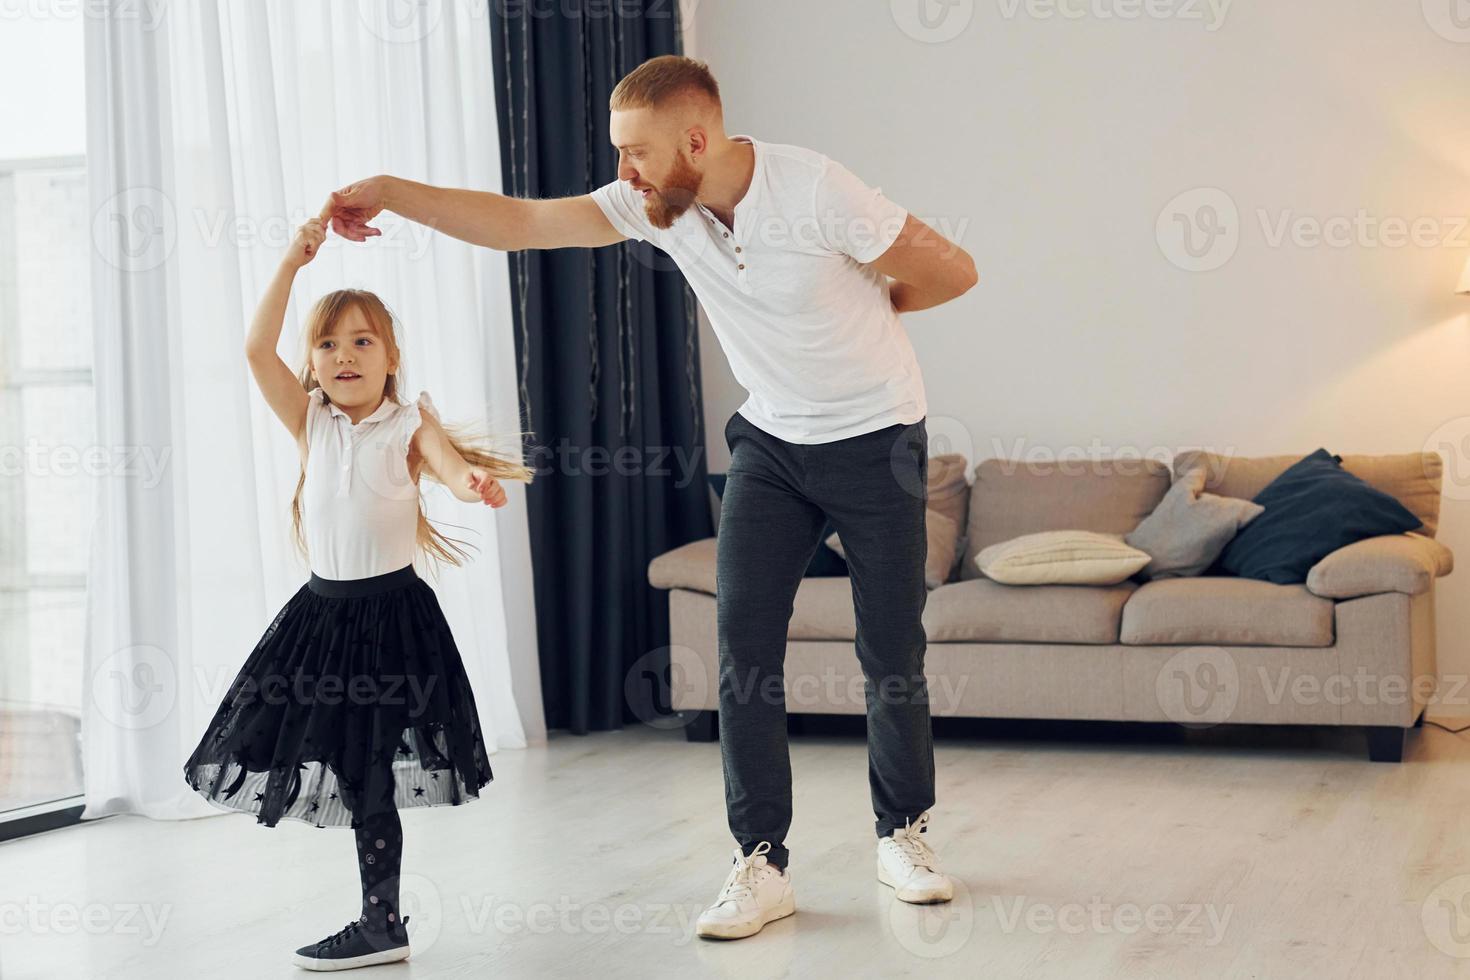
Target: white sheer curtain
x=215 y=128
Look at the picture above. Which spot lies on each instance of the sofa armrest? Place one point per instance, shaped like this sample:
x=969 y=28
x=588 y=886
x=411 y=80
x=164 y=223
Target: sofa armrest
x=689 y=566
x=1407 y=563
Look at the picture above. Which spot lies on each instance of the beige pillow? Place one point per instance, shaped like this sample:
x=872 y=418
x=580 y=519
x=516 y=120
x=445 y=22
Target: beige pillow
x=1061 y=558
x=943 y=534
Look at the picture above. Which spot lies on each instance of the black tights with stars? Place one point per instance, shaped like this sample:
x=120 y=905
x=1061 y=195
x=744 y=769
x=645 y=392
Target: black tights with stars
x=379 y=861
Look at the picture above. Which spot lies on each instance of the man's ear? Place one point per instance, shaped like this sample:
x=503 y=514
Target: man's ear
x=696 y=140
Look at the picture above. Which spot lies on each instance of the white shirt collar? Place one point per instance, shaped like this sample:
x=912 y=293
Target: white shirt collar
x=752 y=193
x=380 y=413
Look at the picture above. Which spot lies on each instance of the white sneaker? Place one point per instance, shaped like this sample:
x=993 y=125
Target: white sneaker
x=754 y=893
x=906 y=863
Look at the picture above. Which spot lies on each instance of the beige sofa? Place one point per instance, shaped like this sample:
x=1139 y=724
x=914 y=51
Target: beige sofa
x=1353 y=645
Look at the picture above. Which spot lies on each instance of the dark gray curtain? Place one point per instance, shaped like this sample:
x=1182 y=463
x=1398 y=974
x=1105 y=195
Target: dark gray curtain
x=608 y=364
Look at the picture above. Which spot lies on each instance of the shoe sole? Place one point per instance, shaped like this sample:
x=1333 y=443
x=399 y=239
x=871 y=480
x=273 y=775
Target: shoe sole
x=781 y=910
x=350 y=963
x=929 y=899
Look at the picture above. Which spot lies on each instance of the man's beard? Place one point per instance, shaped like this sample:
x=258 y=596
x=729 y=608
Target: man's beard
x=663 y=206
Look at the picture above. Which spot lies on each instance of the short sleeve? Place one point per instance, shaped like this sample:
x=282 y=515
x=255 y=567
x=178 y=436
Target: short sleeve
x=413 y=416
x=623 y=207
x=854 y=218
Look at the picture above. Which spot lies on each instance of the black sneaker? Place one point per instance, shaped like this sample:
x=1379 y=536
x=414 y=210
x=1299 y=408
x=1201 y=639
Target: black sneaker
x=355 y=944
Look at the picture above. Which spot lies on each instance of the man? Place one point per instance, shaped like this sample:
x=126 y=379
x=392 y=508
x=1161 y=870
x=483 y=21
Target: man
x=791 y=256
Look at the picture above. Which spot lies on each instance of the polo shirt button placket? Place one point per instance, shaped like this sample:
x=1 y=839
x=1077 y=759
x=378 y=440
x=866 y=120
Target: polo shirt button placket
x=739 y=266
x=344 y=478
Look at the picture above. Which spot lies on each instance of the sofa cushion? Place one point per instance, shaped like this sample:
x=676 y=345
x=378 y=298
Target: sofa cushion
x=1015 y=497
x=947 y=497
x=689 y=566
x=939 y=558
x=983 y=611
x=1407 y=563
x=1228 y=611
x=823 y=610
x=1313 y=508
x=1413 y=479
x=825 y=561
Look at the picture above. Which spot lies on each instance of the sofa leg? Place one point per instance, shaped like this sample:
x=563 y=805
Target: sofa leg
x=703 y=726
x=1386 y=742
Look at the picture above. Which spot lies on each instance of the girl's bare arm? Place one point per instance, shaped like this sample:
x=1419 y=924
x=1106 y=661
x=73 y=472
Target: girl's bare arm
x=444 y=463
x=280 y=386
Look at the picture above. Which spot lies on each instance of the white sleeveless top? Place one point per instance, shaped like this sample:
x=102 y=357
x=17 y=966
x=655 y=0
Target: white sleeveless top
x=359 y=506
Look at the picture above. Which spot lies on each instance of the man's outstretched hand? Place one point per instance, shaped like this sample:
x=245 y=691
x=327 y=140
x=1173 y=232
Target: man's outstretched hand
x=350 y=209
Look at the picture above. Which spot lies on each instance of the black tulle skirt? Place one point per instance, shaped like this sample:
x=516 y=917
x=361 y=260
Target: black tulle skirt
x=354 y=701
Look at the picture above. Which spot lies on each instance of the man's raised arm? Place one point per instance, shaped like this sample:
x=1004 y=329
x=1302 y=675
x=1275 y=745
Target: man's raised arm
x=478 y=217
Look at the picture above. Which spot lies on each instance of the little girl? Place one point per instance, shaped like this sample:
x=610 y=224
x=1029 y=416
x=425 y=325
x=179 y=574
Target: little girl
x=355 y=702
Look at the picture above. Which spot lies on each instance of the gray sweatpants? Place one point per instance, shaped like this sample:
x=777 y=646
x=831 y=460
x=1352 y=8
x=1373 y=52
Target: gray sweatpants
x=873 y=487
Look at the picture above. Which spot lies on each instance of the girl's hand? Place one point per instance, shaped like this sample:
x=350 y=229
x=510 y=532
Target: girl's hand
x=489 y=488
x=308 y=242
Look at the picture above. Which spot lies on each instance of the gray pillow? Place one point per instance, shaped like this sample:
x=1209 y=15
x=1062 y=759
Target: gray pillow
x=1189 y=528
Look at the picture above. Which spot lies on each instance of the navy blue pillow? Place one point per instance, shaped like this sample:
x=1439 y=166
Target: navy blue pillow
x=825 y=562
x=1312 y=509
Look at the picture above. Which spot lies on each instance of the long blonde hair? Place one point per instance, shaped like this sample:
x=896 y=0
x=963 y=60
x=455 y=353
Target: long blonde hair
x=477 y=452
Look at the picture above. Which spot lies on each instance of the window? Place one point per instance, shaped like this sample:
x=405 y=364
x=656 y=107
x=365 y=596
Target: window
x=47 y=410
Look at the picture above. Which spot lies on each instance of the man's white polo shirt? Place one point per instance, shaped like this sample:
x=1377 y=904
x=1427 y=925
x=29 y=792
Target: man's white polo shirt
x=809 y=330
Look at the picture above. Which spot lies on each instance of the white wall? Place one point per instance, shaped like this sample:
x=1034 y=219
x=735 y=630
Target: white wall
x=1050 y=145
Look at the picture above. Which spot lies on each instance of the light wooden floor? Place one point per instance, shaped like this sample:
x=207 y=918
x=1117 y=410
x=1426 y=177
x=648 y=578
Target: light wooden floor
x=1254 y=853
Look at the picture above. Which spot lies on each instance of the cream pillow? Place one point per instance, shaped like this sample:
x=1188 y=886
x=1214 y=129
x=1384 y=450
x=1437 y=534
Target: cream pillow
x=1061 y=558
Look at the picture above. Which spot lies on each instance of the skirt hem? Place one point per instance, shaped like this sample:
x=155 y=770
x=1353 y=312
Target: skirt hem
x=227 y=808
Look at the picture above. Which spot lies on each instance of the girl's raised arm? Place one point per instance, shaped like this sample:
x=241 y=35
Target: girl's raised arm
x=280 y=386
